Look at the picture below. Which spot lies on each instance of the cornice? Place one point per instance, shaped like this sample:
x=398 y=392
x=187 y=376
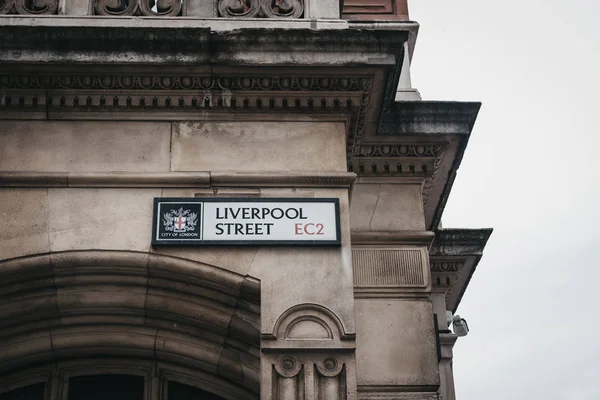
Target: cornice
x=454 y=256
x=97 y=92
x=460 y=242
x=189 y=44
x=429 y=118
x=174 y=179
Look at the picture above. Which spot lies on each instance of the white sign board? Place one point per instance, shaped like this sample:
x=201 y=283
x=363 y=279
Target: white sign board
x=245 y=221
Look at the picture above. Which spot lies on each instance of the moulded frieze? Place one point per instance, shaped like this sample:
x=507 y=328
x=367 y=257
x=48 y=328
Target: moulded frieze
x=33 y=7
x=261 y=8
x=159 y=8
x=400 y=159
x=181 y=96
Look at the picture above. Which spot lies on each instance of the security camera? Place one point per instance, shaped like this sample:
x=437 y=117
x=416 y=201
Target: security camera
x=459 y=326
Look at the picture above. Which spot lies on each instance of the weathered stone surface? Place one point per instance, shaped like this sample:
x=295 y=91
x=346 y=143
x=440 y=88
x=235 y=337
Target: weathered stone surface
x=322 y=9
x=259 y=146
x=395 y=343
x=200 y=8
x=387 y=207
x=24 y=215
x=89 y=146
x=285 y=282
x=100 y=218
x=76 y=7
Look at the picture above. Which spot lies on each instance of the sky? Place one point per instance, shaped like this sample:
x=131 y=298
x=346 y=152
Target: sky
x=529 y=172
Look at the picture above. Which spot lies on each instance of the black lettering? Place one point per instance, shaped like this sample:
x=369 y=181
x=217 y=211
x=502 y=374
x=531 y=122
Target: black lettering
x=219 y=217
x=269 y=225
x=255 y=212
x=234 y=214
x=250 y=229
x=238 y=229
x=258 y=229
x=245 y=213
x=265 y=212
x=280 y=213
x=287 y=213
x=219 y=228
x=301 y=214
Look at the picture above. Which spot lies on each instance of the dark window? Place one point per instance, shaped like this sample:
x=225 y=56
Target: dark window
x=32 y=392
x=106 y=387
x=179 y=391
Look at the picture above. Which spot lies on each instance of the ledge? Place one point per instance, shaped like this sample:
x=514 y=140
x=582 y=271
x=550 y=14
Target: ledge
x=460 y=242
x=127 y=41
x=174 y=179
x=420 y=238
x=215 y=24
x=429 y=118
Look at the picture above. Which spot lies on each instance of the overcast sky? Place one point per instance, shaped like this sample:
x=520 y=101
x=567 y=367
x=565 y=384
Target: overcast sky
x=530 y=173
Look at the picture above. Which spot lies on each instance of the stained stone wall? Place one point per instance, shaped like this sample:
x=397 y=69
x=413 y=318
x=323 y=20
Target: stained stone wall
x=89 y=186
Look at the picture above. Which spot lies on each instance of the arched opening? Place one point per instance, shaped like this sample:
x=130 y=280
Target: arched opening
x=162 y=324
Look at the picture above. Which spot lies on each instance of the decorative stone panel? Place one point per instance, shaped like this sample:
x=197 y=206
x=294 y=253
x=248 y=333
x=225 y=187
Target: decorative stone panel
x=375 y=9
x=381 y=272
x=319 y=376
x=159 y=8
x=308 y=356
x=33 y=7
x=261 y=8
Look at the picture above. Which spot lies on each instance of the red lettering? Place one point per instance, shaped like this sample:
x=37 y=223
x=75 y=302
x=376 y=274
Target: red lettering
x=298 y=229
x=306 y=229
x=320 y=231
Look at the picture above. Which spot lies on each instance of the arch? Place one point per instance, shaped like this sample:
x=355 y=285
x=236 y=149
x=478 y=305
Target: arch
x=82 y=304
x=310 y=322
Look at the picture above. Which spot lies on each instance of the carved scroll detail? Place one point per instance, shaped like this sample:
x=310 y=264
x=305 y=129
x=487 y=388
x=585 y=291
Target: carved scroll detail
x=29 y=7
x=166 y=8
x=261 y=8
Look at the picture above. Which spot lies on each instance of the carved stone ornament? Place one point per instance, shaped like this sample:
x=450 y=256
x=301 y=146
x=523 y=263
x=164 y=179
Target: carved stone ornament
x=97 y=95
x=167 y=8
x=261 y=8
x=28 y=7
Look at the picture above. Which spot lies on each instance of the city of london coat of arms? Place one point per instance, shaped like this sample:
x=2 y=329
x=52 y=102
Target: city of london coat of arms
x=180 y=220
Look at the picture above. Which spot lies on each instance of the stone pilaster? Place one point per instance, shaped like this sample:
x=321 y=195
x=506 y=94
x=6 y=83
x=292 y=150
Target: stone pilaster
x=309 y=356
x=447 y=341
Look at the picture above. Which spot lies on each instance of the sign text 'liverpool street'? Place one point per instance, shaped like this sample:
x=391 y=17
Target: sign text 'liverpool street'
x=211 y=221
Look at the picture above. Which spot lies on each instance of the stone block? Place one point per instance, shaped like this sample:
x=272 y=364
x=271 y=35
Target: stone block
x=24 y=215
x=200 y=8
x=395 y=343
x=291 y=276
x=115 y=219
x=75 y=7
x=84 y=146
x=259 y=146
x=387 y=207
x=322 y=9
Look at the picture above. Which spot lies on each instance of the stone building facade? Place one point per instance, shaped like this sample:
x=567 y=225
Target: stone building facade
x=106 y=105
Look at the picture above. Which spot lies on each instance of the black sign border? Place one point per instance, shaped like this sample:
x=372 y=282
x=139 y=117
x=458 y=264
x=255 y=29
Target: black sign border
x=249 y=243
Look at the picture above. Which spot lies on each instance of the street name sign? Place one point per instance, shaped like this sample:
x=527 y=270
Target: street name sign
x=246 y=221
